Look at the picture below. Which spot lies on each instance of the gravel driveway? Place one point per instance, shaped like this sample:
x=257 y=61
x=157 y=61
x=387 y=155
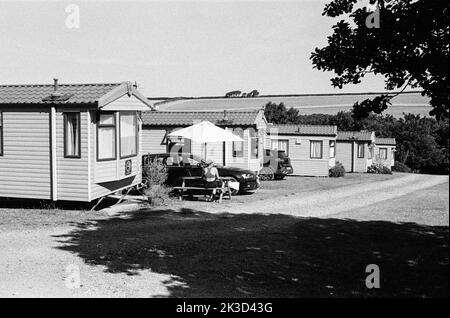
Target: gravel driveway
x=326 y=202
x=31 y=265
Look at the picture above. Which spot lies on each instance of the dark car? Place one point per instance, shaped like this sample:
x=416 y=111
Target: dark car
x=188 y=165
x=276 y=165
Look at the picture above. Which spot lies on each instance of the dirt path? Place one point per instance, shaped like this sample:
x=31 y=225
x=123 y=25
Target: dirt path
x=334 y=201
x=32 y=266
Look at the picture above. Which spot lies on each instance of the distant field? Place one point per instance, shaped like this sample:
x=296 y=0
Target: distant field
x=307 y=104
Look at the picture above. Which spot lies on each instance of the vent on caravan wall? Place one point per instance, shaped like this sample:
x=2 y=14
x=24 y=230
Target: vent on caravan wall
x=56 y=95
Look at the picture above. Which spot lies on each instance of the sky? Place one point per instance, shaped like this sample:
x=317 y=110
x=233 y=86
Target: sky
x=174 y=48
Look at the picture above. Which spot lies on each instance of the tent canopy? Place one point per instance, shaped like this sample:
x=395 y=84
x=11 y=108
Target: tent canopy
x=205 y=132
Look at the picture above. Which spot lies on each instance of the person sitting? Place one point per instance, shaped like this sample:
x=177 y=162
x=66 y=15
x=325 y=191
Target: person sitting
x=211 y=178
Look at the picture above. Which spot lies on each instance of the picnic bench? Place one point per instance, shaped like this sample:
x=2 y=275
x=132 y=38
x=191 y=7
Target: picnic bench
x=225 y=189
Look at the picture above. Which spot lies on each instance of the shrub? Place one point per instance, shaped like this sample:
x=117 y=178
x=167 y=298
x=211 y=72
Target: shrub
x=379 y=168
x=157 y=194
x=401 y=167
x=337 y=171
x=155 y=177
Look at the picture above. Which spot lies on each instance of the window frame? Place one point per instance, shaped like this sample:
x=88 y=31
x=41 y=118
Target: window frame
x=287 y=146
x=234 y=153
x=360 y=144
x=99 y=126
x=334 y=148
x=136 y=140
x=370 y=153
x=310 y=149
x=1 y=133
x=386 y=152
x=256 y=141
x=78 y=156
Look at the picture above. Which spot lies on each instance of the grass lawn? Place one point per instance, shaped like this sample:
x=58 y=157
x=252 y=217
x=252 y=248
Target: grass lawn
x=19 y=217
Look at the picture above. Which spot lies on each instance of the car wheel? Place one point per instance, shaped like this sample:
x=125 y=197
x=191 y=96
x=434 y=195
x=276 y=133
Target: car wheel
x=279 y=176
x=266 y=174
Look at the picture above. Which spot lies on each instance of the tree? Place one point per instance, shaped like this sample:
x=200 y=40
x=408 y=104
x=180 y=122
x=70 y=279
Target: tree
x=279 y=114
x=409 y=48
x=253 y=93
x=233 y=94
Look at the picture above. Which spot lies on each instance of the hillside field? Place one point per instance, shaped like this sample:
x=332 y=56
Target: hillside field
x=308 y=104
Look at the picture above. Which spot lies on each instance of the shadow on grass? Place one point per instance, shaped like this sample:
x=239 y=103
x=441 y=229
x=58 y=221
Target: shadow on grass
x=229 y=255
x=32 y=204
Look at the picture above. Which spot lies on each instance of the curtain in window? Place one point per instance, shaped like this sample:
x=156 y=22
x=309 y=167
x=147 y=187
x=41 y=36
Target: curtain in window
x=360 y=150
x=254 y=146
x=106 y=143
x=72 y=130
x=128 y=137
x=316 y=149
x=238 y=146
x=383 y=153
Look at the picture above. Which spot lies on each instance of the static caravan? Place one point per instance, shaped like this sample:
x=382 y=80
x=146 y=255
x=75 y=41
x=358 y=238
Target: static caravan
x=385 y=151
x=250 y=125
x=355 y=150
x=311 y=148
x=76 y=142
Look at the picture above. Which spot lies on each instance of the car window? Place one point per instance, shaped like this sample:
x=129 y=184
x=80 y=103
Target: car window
x=282 y=154
x=171 y=161
x=194 y=160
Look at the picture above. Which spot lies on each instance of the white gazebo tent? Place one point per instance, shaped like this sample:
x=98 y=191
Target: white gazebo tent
x=204 y=132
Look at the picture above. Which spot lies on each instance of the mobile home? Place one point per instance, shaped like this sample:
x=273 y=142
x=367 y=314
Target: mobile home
x=74 y=142
x=385 y=151
x=249 y=125
x=355 y=150
x=311 y=148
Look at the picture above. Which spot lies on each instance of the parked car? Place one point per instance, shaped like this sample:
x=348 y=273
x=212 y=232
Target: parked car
x=189 y=165
x=276 y=165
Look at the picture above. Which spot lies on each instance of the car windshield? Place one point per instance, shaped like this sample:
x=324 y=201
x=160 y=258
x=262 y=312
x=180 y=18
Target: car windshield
x=282 y=154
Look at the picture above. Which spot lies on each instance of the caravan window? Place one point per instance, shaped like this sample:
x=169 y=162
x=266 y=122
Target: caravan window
x=254 y=144
x=72 y=135
x=316 y=149
x=1 y=134
x=332 y=148
x=238 y=146
x=382 y=153
x=106 y=137
x=360 y=150
x=128 y=134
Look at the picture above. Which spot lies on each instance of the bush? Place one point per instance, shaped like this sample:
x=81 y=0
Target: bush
x=379 y=168
x=401 y=167
x=157 y=194
x=337 y=171
x=155 y=177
